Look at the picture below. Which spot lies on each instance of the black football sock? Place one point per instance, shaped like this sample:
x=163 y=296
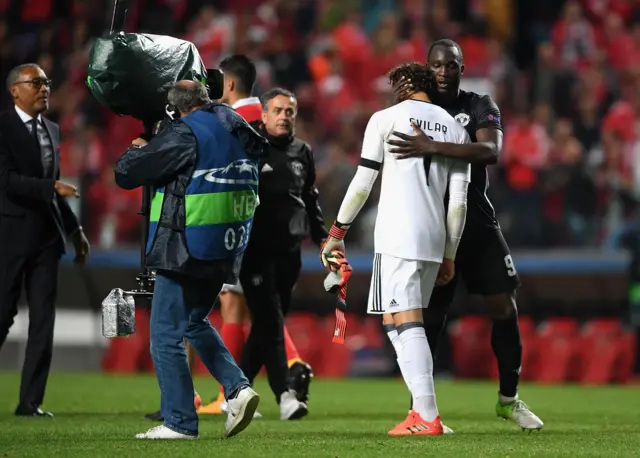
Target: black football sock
x=506 y=344
x=433 y=326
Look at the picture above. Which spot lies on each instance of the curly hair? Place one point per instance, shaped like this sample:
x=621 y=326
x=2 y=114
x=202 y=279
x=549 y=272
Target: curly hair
x=416 y=72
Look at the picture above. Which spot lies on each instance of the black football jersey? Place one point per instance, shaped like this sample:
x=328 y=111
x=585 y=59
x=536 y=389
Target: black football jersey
x=475 y=112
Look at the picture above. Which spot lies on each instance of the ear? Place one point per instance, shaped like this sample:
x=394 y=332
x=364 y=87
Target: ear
x=231 y=85
x=264 y=117
x=462 y=69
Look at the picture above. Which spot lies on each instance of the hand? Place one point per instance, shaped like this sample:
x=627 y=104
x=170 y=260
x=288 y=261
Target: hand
x=338 y=279
x=329 y=245
x=336 y=282
x=139 y=142
x=418 y=145
x=65 y=189
x=81 y=245
x=403 y=89
x=446 y=273
x=335 y=241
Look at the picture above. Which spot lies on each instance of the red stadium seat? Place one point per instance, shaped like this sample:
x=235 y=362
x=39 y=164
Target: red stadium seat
x=624 y=371
x=528 y=337
x=303 y=329
x=527 y=326
x=606 y=353
x=354 y=327
x=557 y=345
x=471 y=346
x=529 y=340
x=372 y=332
x=129 y=354
x=334 y=359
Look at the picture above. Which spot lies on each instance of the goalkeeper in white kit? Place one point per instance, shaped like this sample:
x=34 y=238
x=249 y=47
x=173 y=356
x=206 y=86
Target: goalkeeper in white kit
x=415 y=241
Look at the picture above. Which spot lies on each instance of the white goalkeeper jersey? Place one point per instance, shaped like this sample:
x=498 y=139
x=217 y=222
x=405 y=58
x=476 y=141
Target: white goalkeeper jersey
x=411 y=222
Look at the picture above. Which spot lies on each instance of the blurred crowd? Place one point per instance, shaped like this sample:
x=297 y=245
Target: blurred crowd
x=566 y=75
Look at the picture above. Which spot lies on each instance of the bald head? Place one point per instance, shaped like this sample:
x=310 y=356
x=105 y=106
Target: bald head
x=187 y=96
x=187 y=84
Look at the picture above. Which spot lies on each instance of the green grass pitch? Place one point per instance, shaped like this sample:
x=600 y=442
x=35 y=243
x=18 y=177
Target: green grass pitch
x=98 y=415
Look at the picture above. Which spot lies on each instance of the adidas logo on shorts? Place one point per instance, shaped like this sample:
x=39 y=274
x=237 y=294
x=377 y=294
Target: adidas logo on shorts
x=393 y=303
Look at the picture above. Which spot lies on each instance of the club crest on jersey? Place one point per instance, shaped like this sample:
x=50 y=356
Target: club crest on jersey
x=298 y=168
x=462 y=118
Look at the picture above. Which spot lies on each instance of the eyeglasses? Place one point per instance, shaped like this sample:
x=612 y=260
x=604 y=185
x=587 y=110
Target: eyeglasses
x=36 y=83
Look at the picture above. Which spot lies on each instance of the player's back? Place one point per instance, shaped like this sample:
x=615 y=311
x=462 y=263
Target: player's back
x=411 y=213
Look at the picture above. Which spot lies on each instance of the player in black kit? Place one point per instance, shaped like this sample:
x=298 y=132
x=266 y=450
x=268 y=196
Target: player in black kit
x=483 y=258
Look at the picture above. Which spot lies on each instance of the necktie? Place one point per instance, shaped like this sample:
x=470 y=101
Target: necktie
x=45 y=148
x=34 y=131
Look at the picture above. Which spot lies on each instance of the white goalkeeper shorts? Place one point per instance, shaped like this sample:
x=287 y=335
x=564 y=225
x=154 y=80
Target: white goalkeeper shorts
x=398 y=285
x=237 y=288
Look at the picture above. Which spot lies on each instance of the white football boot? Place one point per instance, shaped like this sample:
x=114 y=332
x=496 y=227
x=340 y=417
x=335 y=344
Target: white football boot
x=518 y=412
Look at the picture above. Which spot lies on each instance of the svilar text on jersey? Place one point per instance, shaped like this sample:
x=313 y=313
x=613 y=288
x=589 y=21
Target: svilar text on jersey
x=429 y=125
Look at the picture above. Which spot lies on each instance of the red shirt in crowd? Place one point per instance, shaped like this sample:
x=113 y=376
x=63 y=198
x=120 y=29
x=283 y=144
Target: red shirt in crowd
x=36 y=10
x=526 y=148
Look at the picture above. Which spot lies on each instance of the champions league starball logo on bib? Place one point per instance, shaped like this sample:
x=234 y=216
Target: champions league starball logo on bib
x=242 y=171
x=462 y=118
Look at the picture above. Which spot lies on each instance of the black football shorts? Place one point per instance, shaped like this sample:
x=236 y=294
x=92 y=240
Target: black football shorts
x=484 y=264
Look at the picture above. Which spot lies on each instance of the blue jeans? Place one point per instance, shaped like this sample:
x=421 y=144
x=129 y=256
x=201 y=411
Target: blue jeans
x=179 y=310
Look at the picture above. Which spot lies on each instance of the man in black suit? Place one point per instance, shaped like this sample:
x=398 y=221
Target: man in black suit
x=35 y=221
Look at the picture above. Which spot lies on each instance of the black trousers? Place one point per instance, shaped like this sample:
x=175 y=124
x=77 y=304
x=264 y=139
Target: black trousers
x=268 y=282
x=38 y=273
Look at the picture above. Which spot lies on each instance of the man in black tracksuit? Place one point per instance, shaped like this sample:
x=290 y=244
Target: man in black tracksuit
x=288 y=213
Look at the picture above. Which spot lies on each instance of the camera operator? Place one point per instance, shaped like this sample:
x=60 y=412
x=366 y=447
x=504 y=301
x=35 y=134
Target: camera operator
x=288 y=213
x=204 y=168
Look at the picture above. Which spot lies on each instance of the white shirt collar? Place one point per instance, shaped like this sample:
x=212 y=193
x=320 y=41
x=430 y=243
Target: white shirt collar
x=24 y=116
x=246 y=101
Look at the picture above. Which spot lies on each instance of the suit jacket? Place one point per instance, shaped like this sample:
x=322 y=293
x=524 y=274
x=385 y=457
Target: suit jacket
x=28 y=200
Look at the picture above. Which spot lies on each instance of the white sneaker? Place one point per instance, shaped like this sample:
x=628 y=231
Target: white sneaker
x=162 y=432
x=224 y=407
x=241 y=410
x=290 y=407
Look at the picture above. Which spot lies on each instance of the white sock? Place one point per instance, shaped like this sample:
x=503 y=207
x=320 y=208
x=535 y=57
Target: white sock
x=418 y=365
x=394 y=337
x=506 y=399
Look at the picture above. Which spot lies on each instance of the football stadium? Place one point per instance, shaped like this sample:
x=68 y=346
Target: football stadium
x=525 y=340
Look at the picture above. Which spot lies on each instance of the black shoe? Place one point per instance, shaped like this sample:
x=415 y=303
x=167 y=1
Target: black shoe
x=31 y=411
x=155 y=416
x=300 y=375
